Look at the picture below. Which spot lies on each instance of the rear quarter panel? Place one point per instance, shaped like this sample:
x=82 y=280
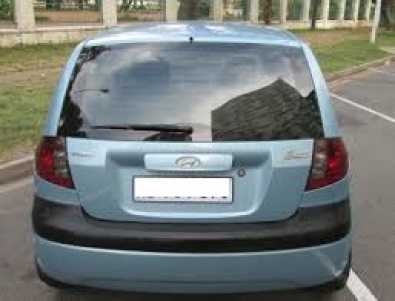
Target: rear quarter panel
x=51 y=127
x=328 y=115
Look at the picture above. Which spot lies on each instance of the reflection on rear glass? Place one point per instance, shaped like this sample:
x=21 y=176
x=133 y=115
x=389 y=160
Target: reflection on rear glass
x=225 y=92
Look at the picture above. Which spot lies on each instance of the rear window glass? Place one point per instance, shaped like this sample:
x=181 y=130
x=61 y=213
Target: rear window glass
x=199 y=92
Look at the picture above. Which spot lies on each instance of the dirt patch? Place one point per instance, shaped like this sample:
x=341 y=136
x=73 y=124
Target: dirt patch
x=33 y=78
x=332 y=37
x=67 y=16
x=140 y=16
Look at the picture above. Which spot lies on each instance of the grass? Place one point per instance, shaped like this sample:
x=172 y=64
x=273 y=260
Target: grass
x=347 y=54
x=337 y=50
x=34 y=57
x=21 y=117
x=28 y=76
x=386 y=39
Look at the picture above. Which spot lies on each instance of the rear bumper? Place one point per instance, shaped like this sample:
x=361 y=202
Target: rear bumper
x=310 y=249
x=309 y=227
x=163 y=272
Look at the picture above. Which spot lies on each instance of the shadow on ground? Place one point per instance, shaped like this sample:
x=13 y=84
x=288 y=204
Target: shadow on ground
x=90 y=295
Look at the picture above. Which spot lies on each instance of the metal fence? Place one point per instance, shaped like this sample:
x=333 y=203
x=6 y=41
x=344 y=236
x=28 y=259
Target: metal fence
x=51 y=13
x=59 y=12
x=140 y=10
x=334 y=7
x=295 y=9
x=235 y=10
x=194 y=10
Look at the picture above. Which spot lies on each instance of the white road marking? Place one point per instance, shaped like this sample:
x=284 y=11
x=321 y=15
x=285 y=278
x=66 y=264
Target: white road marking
x=16 y=185
x=15 y=162
x=360 y=291
x=366 y=109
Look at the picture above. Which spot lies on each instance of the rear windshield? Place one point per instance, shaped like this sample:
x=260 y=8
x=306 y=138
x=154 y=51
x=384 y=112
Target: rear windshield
x=199 y=92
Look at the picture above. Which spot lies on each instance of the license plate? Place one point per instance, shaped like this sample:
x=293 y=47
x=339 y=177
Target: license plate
x=207 y=190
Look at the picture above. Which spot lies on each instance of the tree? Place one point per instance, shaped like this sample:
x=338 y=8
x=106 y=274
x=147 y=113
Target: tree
x=388 y=13
x=267 y=12
x=81 y=4
x=189 y=10
x=5 y=9
x=128 y=4
x=53 y=4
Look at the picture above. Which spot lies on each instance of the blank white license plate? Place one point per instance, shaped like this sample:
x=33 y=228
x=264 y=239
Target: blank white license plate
x=209 y=190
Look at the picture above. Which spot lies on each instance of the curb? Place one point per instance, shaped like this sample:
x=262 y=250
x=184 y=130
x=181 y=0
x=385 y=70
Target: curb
x=21 y=168
x=16 y=170
x=357 y=69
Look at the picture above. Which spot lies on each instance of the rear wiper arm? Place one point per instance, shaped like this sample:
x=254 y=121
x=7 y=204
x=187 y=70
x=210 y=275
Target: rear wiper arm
x=148 y=127
x=103 y=90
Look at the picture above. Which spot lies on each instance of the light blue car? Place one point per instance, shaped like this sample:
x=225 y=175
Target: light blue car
x=192 y=158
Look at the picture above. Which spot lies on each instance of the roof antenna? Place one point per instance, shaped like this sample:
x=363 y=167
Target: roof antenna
x=191 y=39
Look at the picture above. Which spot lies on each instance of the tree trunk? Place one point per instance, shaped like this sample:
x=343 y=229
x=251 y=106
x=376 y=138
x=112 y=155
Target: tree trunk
x=267 y=12
x=387 y=14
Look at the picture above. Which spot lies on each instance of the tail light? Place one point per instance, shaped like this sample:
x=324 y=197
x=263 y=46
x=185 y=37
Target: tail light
x=329 y=164
x=52 y=163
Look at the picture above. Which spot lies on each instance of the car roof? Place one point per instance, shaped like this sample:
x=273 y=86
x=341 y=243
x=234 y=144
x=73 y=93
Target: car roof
x=227 y=32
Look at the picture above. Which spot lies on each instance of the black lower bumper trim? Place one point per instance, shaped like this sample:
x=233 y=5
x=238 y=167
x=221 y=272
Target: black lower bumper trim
x=68 y=224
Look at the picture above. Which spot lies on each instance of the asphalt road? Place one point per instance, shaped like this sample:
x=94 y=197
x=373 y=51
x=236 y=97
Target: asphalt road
x=366 y=110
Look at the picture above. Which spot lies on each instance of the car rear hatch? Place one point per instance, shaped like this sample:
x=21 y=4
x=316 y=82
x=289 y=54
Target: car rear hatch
x=190 y=132
x=268 y=179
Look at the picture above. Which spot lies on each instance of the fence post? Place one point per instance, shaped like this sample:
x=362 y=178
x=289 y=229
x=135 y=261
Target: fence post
x=355 y=10
x=253 y=11
x=283 y=11
x=171 y=10
x=24 y=15
x=306 y=10
x=325 y=13
x=342 y=10
x=217 y=10
x=368 y=8
x=109 y=13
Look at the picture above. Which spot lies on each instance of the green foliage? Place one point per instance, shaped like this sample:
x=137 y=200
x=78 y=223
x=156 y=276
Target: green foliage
x=194 y=9
x=134 y=5
x=6 y=12
x=334 y=10
x=295 y=8
x=77 y=5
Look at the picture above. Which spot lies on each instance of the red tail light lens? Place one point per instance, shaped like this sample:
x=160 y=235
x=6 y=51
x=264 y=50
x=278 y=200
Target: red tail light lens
x=51 y=162
x=329 y=164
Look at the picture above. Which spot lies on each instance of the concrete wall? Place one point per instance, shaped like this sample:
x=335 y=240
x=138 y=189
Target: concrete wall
x=10 y=38
x=26 y=31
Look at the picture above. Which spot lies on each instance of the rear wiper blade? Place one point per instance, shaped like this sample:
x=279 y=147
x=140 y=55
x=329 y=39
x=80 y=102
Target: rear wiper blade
x=147 y=127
